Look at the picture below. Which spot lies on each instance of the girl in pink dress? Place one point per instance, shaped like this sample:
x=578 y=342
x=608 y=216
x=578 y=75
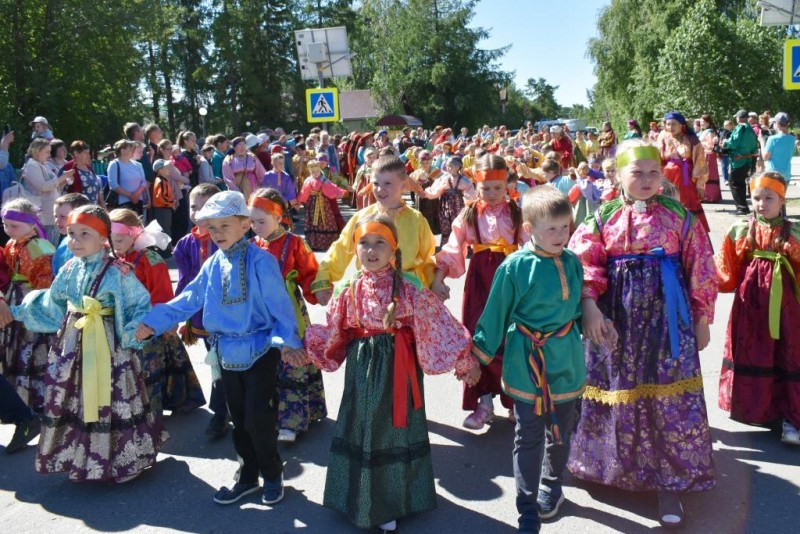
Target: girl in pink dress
x=320 y=196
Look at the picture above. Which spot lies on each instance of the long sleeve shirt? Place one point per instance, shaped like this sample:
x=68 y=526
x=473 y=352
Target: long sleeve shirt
x=742 y=142
x=282 y=182
x=153 y=273
x=245 y=306
x=190 y=252
x=30 y=259
x=321 y=184
x=40 y=181
x=44 y=310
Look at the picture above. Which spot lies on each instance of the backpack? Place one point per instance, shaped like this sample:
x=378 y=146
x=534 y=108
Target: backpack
x=162 y=193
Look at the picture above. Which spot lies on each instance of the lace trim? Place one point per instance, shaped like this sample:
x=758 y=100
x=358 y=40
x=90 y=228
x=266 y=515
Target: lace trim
x=652 y=391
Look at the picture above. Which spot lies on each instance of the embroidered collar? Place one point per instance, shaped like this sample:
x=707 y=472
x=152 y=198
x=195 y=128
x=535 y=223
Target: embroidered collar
x=237 y=247
x=94 y=259
x=776 y=221
x=639 y=206
x=539 y=251
x=277 y=234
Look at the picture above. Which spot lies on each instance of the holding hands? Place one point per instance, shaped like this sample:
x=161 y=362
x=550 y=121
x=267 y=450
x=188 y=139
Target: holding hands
x=472 y=376
x=596 y=326
x=144 y=332
x=5 y=314
x=295 y=357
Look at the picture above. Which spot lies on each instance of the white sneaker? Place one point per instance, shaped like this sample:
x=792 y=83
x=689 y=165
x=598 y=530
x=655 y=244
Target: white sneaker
x=790 y=434
x=288 y=436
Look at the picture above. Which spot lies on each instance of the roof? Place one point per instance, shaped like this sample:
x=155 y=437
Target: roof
x=399 y=120
x=356 y=105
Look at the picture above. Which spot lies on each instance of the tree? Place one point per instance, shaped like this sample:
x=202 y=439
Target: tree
x=544 y=97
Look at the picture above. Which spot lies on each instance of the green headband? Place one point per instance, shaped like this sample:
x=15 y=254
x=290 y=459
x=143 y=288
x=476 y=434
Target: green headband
x=638 y=153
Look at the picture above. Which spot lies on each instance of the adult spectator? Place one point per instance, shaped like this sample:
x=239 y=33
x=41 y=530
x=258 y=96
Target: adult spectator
x=743 y=147
x=153 y=134
x=242 y=170
x=752 y=120
x=187 y=141
x=58 y=156
x=260 y=149
x=84 y=181
x=725 y=133
x=134 y=132
x=179 y=219
x=126 y=178
x=607 y=141
x=41 y=182
x=562 y=144
x=778 y=149
x=710 y=140
x=7 y=173
x=41 y=128
x=634 y=130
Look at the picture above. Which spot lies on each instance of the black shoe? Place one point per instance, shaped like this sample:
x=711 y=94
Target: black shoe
x=273 y=491
x=218 y=426
x=670 y=510
x=239 y=490
x=24 y=434
x=549 y=500
x=742 y=212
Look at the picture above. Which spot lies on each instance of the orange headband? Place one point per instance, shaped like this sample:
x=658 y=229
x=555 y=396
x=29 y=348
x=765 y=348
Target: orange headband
x=768 y=183
x=265 y=204
x=95 y=223
x=375 y=228
x=491 y=175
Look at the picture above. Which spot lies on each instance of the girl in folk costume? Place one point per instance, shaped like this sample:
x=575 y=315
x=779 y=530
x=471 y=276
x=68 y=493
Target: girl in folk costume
x=241 y=170
x=425 y=175
x=320 y=196
x=684 y=163
x=364 y=195
x=452 y=189
x=648 y=298
x=97 y=420
x=29 y=257
x=377 y=321
x=760 y=261
x=300 y=388
x=493 y=228
x=710 y=141
x=168 y=373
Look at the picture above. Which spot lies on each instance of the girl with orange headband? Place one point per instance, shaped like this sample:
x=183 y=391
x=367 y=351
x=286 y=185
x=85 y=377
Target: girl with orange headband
x=300 y=388
x=97 y=422
x=28 y=256
x=391 y=331
x=760 y=261
x=493 y=228
x=170 y=378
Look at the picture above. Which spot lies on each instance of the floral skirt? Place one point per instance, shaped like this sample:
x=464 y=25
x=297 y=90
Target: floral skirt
x=450 y=205
x=127 y=436
x=23 y=354
x=643 y=423
x=320 y=236
x=376 y=472
x=169 y=376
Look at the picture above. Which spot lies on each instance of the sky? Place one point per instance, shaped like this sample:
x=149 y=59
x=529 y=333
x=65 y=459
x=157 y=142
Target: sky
x=548 y=39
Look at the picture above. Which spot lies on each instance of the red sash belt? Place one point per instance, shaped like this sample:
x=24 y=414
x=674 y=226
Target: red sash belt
x=405 y=369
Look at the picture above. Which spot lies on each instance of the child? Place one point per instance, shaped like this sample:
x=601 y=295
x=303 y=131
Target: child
x=610 y=186
x=376 y=321
x=760 y=353
x=425 y=175
x=206 y=173
x=169 y=376
x=552 y=171
x=650 y=282
x=279 y=179
x=251 y=324
x=62 y=208
x=452 y=189
x=300 y=389
x=493 y=228
x=29 y=257
x=584 y=195
x=98 y=424
x=543 y=369
x=190 y=253
x=364 y=195
x=165 y=202
x=320 y=196
x=416 y=240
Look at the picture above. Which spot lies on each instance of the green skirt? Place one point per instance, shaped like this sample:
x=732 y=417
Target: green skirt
x=377 y=473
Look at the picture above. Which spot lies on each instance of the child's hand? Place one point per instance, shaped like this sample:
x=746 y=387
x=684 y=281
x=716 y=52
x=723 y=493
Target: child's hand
x=6 y=318
x=294 y=357
x=324 y=296
x=595 y=325
x=472 y=376
x=702 y=333
x=441 y=290
x=144 y=332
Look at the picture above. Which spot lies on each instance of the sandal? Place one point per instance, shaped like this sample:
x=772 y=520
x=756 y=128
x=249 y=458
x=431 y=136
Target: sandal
x=670 y=510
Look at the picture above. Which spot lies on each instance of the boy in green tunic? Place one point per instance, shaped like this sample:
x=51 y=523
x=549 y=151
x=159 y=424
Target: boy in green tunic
x=533 y=305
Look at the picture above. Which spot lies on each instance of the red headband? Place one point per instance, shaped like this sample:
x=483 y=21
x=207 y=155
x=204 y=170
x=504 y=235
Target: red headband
x=265 y=204
x=95 y=223
x=491 y=175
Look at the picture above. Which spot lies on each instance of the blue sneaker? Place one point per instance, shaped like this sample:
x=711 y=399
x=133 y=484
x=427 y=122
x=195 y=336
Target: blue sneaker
x=273 y=491
x=549 y=500
x=239 y=490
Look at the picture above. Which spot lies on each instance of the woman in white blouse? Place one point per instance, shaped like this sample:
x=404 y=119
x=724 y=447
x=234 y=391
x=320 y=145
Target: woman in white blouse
x=38 y=180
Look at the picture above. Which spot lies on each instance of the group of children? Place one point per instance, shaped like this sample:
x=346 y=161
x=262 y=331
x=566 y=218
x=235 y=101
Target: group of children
x=610 y=316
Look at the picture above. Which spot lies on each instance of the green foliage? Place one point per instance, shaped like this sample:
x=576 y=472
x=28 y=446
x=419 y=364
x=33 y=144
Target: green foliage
x=544 y=97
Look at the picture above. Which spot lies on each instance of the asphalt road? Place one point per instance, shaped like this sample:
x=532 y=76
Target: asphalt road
x=757 y=490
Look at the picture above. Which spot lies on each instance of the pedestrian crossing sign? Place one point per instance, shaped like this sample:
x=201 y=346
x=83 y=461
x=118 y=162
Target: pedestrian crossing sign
x=322 y=105
x=791 y=64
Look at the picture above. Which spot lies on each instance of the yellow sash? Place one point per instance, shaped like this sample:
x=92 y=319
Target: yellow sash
x=96 y=376
x=319 y=208
x=500 y=246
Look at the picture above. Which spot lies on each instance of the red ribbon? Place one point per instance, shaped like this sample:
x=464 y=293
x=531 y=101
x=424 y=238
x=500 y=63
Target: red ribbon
x=405 y=369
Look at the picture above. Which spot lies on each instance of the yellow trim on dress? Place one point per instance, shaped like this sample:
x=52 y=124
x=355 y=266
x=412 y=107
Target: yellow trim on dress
x=482 y=356
x=629 y=396
x=532 y=397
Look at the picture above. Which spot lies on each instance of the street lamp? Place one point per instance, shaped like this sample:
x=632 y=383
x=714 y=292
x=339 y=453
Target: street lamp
x=203 y=112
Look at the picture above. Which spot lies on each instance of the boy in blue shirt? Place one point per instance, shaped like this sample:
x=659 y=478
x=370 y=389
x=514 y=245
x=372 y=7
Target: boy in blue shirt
x=251 y=326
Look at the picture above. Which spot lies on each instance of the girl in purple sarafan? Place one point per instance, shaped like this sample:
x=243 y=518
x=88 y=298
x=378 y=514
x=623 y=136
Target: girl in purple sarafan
x=648 y=297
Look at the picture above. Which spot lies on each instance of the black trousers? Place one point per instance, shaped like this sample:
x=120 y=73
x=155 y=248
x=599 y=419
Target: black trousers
x=252 y=397
x=738 y=185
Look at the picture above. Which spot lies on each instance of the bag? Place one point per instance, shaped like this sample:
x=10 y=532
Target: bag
x=18 y=190
x=162 y=193
x=112 y=197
